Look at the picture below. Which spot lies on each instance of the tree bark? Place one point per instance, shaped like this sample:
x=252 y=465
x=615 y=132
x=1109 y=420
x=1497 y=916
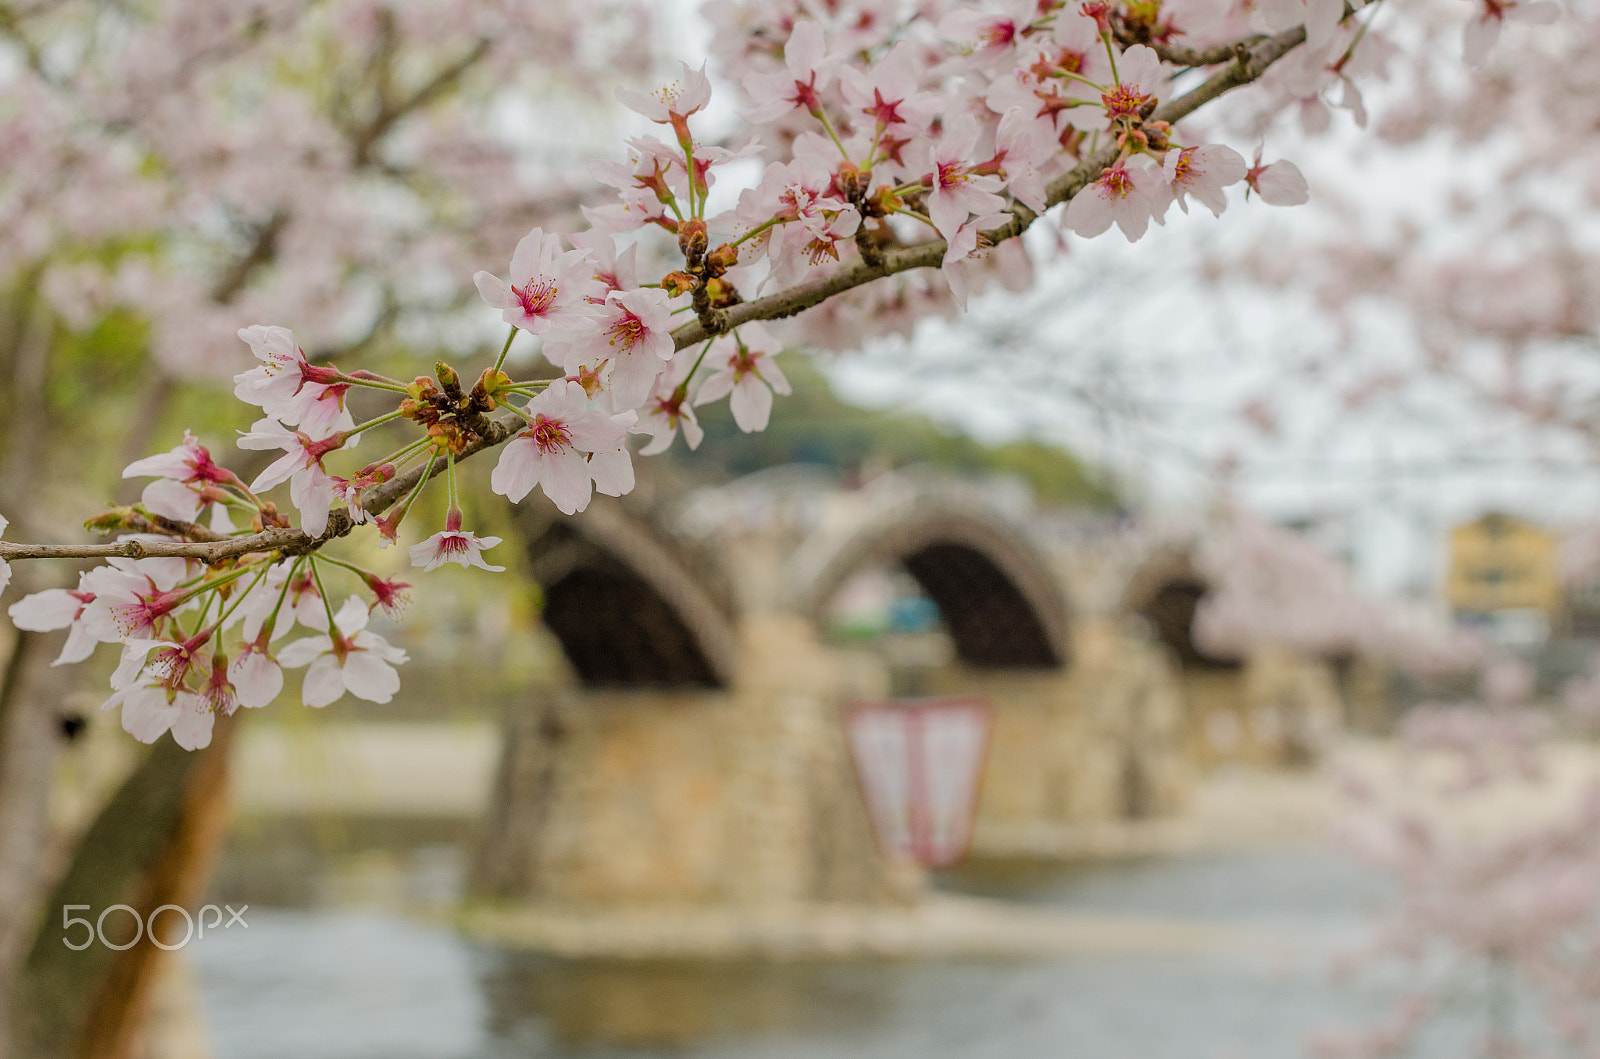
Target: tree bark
x=153 y=845
x=29 y=727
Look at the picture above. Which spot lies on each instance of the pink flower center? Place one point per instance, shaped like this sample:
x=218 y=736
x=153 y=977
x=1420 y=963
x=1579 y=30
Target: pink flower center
x=390 y=594
x=454 y=544
x=1185 y=172
x=998 y=34
x=668 y=96
x=805 y=94
x=1115 y=183
x=818 y=249
x=801 y=200
x=1124 y=101
x=887 y=112
x=628 y=332
x=143 y=612
x=219 y=697
x=951 y=175
x=536 y=299
x=550 y=435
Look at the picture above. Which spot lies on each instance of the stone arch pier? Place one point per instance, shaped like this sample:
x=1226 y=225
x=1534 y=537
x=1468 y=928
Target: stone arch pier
x=1087 y=732
x=689 y=757
x=1269 y=708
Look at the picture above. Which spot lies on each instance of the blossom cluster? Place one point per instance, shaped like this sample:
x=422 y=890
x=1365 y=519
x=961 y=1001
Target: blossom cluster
x=1496 y=870
x=913 y=144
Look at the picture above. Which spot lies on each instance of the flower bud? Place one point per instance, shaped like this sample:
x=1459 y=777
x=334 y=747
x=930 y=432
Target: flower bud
x=882 y=203
x=269 y=518
x=447 y=377
x=692 y=238
x=676 y=283
x=721 y=294
x=589 y=379
x=116 y=520
x=722 y=258
x=853 y=181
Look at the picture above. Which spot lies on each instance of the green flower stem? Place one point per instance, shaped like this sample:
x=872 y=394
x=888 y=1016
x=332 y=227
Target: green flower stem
x=758 y=229
x=283 y=594
x=260 y=576
x=369 y=424
x=500 y=362
x=327 y=605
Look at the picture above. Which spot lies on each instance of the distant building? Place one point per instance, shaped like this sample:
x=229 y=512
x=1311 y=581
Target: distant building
x=1505 y=578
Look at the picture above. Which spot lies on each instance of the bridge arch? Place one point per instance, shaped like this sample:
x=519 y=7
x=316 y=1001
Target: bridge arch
x=1165 y=591
x=630 y=607
x=996 y=592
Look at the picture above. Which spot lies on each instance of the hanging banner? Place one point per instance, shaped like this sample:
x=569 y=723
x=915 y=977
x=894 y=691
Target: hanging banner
x=920 y=762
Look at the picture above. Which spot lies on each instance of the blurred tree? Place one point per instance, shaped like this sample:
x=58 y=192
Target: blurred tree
x=816 y=426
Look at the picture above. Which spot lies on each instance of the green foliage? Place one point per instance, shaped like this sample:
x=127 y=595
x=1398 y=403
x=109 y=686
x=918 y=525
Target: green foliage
x=815 y=426
x=92 y=365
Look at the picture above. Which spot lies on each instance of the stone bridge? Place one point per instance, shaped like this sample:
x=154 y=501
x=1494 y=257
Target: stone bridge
x=695 y=754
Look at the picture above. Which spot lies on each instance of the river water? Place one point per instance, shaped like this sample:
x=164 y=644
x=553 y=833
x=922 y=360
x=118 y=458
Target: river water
x=341 y=960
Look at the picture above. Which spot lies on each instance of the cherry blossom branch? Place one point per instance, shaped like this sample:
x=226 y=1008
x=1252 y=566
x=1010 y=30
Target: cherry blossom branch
x=1250 y=61
x=1179 y=55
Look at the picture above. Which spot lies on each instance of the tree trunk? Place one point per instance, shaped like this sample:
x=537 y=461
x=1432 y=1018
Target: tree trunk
x=152 y=845
x=29 y=727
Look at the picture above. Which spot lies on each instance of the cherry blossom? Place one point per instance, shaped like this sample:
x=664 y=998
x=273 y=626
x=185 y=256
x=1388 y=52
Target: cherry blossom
x=748 y=377
x=890 y=94
x=613 y=270
x=548 y=286
x=187 y=482
x=990 y=29
x=390 y=593
x=301 y=602
x=130 y=597
x=958 y=192
x=58 y=608
x=1140 y=82
x=1203 y=172
x=150 y=709
x=568 y=449
x=453 y=545
x=668 y=408
x=347 y=659
x=255 y=674
x=673 y=104
x=1484 y=30
x=310 y=487
x=1278 y=183
x=288 y=388
x=810 y=218
x=1320 y=18
x=1127 y=194
x=633 y=331
x=808 y=71
x=875 y=133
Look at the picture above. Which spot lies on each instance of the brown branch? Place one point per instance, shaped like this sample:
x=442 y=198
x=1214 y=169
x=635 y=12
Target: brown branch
x=364 y=139
x=1179 y=55
x=263 y=248
x=1248 y=65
